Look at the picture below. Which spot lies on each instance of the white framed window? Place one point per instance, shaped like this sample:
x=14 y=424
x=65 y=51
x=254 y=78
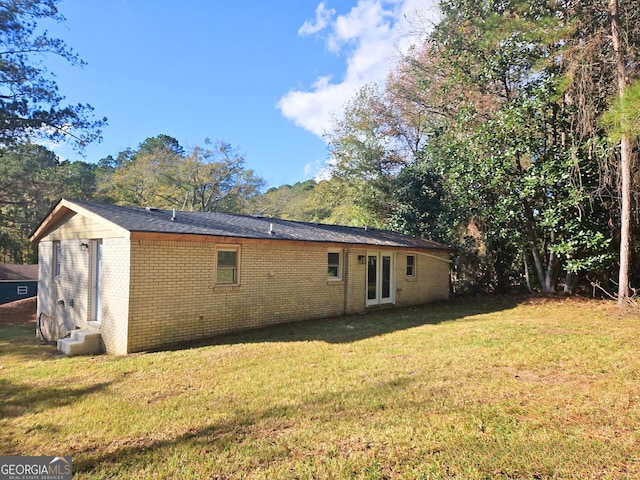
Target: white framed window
x=22 y=289
x=57 y=259
x=227 y=265
x=334 y=265
x=411 y=266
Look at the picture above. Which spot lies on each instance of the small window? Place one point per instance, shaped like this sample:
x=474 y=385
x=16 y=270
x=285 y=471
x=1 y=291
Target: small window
x=411 y=265
x=57 y=260
x=22 y=290
x=333 y=265
x=227 y=267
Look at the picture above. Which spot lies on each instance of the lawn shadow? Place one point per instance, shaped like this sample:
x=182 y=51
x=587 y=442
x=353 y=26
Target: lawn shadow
x=355 y=327
x=19 y=399
x=244 y=429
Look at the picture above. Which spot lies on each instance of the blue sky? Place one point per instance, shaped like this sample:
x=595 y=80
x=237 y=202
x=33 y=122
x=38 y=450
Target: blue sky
x=263 y=76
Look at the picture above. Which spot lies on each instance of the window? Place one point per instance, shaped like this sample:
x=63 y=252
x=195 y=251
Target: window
x=57 y=259
x=227 y=266
x=22 y=289
x=333 y=266
x=411 y=265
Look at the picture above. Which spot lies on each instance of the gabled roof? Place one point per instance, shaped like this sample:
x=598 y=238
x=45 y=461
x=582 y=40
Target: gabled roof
x=18 y=272
x=128 y=220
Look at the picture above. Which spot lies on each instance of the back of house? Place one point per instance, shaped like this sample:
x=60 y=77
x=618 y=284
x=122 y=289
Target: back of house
x=144 y=278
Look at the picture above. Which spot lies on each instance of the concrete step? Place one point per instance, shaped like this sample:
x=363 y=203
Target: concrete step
x=81 y=342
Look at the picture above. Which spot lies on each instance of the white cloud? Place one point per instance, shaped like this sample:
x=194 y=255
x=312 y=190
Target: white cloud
x=371 y=35
x=319 y=170
x=313 y=169
x=323 y=16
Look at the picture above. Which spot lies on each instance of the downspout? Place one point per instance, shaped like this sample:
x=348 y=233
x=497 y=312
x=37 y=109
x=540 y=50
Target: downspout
x=345 y=280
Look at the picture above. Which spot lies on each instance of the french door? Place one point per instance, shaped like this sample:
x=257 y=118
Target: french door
x=380 y=278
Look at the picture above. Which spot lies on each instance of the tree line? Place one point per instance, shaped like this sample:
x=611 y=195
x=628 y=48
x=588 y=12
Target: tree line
x=509 y=131
x=501 y=134
x=159 y=172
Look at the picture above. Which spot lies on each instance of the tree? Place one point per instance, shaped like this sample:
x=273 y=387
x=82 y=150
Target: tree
x=500 y=105
x=383 y=130
x=32 y=179
x=161 y=174
x=327 y=201
x=286 y=201
x=602 y=61
x=144 y=176
x=529 y=81
x=30 y=105
x=214 y=179
x=625 y=160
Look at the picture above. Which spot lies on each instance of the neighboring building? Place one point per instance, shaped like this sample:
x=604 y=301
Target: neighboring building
x=146 y=278
x=18 y=282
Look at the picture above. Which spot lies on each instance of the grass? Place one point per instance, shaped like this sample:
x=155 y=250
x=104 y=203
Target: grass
x=484 y=389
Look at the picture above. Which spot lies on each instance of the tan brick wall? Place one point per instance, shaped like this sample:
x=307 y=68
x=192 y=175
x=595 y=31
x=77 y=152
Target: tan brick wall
x=116 y=254
x=431 y=282
x=357 y=277
x=174 y=297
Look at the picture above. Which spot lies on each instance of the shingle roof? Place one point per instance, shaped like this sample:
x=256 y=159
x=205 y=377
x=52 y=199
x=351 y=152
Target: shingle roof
x=18 y=272
x=138 y=219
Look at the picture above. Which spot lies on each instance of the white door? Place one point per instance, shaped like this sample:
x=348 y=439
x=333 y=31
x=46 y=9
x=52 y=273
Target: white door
x=96 y=280
x=380 y=278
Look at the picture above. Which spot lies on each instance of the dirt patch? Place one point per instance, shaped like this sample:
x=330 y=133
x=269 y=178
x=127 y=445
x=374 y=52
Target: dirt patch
x=20 y=312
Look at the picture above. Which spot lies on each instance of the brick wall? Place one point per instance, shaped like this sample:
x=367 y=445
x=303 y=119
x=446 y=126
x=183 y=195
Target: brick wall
x=175 y=298
x=431 y=282
x=356 y=274
x=115 y=294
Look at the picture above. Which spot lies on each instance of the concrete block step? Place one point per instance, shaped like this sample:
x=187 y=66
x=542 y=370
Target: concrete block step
x=81 y=342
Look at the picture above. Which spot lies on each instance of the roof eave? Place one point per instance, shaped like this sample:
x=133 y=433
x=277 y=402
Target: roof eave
x=141 y=235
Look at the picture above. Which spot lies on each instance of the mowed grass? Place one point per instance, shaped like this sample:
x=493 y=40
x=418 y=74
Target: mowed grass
x=483 y=389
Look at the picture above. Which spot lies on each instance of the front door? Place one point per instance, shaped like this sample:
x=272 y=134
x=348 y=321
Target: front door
x=96 y=281
x=380 y=279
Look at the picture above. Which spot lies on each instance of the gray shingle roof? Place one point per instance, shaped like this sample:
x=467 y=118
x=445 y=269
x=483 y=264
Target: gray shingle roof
x=137 y=219
x=18 y=272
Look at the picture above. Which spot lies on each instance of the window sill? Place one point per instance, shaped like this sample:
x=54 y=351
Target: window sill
x=226 y=288
x=335 y=281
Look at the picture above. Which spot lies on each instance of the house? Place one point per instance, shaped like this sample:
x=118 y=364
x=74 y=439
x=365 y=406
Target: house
x=17 y=282
x=145 y=278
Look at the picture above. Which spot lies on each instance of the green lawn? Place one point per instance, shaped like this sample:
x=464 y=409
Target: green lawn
x=488 y=388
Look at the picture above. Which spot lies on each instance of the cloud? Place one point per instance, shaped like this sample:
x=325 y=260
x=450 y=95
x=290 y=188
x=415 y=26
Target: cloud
x=372 y=35
x=323 y=16
x=319 y=169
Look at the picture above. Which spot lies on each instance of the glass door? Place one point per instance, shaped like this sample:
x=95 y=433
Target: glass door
x=380 y=280
x=372 y=279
